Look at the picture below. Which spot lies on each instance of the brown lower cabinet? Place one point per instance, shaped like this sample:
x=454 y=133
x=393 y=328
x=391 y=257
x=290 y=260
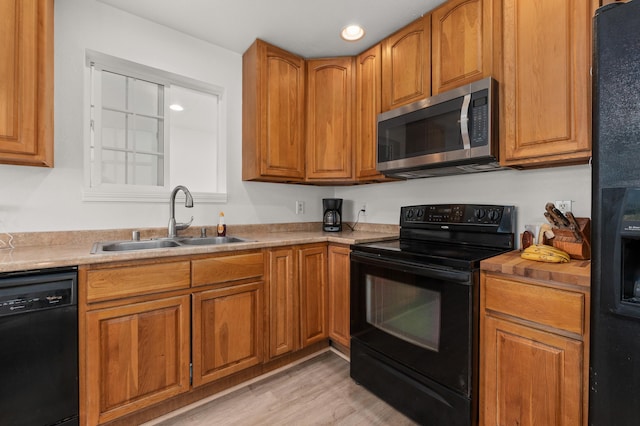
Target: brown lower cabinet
x=339 y=294
x=297 y=297
x=534 y=351
x=138 y=354
x=312 y=273
x=227 y=331
x=134 y=348
x=144 y=325
x=283 y=302
x=227 y=317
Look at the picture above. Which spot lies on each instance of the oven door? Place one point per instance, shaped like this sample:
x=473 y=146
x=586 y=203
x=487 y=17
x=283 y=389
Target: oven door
x=416 y=315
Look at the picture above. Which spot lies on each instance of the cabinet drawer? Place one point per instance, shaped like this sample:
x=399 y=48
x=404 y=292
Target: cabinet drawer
x=115 y=283
x=221 y=269
x=551 y=307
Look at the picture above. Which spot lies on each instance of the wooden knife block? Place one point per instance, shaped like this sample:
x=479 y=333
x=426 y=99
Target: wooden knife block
x=565 y=240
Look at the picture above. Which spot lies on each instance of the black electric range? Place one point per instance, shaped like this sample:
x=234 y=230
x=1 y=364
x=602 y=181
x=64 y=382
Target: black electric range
x=414 y=309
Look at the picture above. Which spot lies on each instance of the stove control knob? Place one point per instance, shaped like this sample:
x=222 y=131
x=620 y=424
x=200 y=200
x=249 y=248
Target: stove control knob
x=410 y=214
x=420 y=213
x=494 y=215
x=479 y=213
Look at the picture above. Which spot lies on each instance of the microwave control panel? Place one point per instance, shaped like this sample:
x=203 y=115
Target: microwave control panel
x=480 y=119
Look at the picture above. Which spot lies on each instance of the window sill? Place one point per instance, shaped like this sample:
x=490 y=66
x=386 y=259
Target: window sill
x=150 y=197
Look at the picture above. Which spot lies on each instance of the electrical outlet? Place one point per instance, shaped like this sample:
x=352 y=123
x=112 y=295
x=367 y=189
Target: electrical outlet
x=563 y=206
x=364 y=209
x=299 y=207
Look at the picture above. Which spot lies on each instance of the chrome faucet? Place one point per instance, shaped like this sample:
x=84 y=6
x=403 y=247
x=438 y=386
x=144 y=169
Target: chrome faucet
x=173 y=228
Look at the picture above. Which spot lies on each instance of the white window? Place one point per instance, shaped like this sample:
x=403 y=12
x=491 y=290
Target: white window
x=151 y=130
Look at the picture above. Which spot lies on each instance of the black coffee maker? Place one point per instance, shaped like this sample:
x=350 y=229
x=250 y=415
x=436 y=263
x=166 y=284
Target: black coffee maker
x=332 y=217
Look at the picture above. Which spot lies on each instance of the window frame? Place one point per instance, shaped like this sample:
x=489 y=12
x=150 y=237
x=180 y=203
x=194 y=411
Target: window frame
x=97 y=61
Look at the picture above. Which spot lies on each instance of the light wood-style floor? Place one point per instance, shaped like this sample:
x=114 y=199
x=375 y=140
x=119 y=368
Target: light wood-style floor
x=318 y=391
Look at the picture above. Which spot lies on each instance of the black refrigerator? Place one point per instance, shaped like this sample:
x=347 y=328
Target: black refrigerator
x=614 y=396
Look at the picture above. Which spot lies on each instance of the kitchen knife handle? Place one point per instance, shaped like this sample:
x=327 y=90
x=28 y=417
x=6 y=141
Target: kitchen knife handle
x=557 y=215
x=550 y=219
x=574 y=226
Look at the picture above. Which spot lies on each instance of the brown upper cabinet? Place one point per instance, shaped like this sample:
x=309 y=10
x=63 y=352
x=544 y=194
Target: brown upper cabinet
x=368 y=106
x=330 y=107
x=273 y=97
x=545 y=83
x=26 y=82
x=315 y=121
x=406 y=64
x=461 y=42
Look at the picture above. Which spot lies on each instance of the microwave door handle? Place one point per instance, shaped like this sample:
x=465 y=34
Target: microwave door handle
x=464 y=122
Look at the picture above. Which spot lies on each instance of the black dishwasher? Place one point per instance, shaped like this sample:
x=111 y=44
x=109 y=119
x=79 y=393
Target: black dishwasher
x=39 y=348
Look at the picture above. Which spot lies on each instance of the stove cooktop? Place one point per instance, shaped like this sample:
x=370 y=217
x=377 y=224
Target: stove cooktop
x=436 y=253
x=452 y=235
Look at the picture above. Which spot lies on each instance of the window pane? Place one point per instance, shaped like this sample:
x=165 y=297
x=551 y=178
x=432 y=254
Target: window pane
x=148 y=132
x=146 y=98
x=114 y=91
x=194 y=139
x=113 y=167
x=144 y=170
x=114 y=126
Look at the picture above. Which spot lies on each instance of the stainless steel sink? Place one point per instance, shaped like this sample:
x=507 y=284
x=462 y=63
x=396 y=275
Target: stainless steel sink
x=130 y=245
x=134 y=245
x=204 y=241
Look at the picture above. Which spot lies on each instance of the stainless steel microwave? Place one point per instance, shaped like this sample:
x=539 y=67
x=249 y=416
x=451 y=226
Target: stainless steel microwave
x=450 y=133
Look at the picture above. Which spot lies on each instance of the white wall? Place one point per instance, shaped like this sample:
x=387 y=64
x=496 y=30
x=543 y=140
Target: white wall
x=529 y=191
x=37 y=199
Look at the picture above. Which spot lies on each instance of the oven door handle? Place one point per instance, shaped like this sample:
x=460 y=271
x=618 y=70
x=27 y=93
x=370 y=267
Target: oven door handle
x=451 y=275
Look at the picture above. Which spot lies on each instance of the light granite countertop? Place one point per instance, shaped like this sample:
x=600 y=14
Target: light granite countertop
x=70 y=248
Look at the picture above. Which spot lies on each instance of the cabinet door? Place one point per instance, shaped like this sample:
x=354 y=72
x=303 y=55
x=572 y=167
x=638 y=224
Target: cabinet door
x=339 y=285
x=273 y=145
x=529 y=377
x=312 y=269
x=545 y=87
x=406 y=64
x=283 y=302
x=227 y=331
x=368 y=106
x=26 y=82
x=137 y=354
x=330 y=101
x=461 y=39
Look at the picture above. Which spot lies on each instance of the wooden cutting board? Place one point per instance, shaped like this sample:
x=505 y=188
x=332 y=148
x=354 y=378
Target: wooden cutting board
x=577 y=272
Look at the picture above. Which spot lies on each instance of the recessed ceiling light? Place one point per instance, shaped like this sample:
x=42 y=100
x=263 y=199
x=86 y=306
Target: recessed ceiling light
x=176 y=107
x=352 y=32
